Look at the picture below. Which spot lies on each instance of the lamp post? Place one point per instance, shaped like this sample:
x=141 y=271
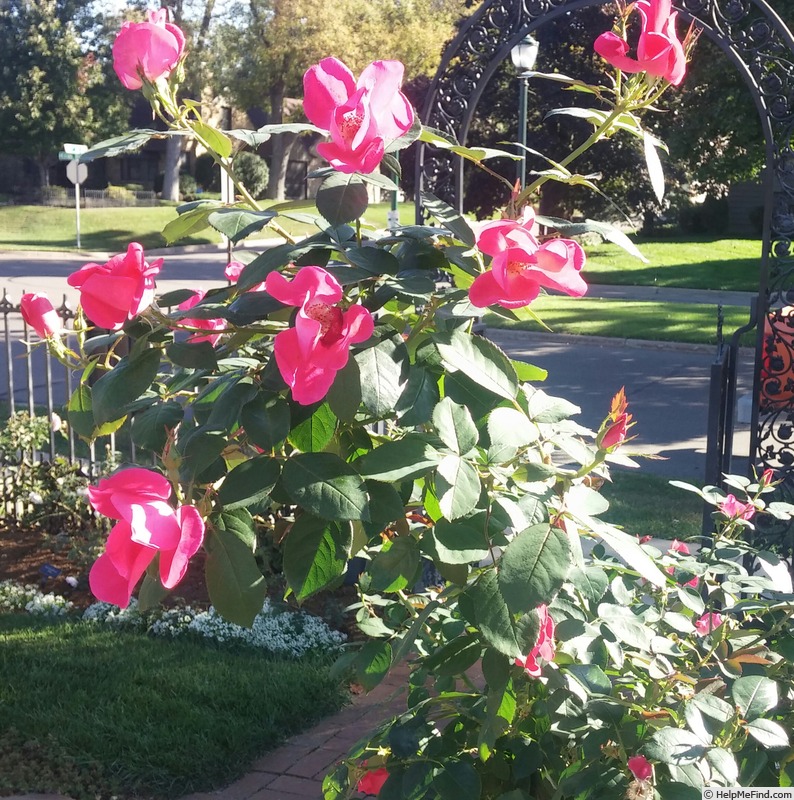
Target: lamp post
x=524 y=55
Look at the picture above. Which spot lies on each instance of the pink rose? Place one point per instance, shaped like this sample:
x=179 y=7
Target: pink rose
x=709 y=622
x=544 y=647
x=39 y=314
x=204 y=324
x=616 y=424
x=640 y=767
x=679 y=547
x=659 y=51
x=147 y=525
x=646 y=539
x=520 y=266
x=767 y=478
x=362 y=117
x=233 y=271
x=310 y=354
x=373 y=781
x=113 y=293
x=147 y=50
x=733 y=509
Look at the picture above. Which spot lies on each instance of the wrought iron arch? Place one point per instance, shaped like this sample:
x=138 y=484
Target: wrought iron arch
x=761 y=47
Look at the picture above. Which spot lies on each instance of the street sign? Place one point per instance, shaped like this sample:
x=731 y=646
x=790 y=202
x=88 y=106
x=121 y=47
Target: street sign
x=74 y=149
x=64 y=156
x=76 y=172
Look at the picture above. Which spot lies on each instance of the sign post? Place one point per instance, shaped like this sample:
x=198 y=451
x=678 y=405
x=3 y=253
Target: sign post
x=76 y=173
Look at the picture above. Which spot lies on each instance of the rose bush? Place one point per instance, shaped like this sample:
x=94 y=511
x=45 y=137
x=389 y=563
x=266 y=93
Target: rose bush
x=343 y=399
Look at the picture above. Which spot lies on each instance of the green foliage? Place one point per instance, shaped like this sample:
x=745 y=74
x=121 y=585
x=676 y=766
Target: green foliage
x=252 y=171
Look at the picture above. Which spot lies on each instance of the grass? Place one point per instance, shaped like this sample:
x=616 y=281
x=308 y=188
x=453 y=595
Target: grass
x=626 y=319
x=92 y=712
x=646 y=505
x=112 y=229
x=693 y=263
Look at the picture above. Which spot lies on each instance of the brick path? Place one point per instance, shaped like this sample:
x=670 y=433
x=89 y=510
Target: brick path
x=296 y=770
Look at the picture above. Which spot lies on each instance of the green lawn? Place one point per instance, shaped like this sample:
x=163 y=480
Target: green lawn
x=694 y=263
x=646 y=505
x=624 y=319
x=112 y=229
x=94 y=713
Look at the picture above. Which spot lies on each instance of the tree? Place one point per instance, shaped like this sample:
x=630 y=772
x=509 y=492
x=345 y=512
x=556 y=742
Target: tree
x=263 y=55
x=55 y=82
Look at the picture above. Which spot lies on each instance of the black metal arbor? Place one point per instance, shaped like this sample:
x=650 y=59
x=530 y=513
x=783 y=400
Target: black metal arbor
x=761 y=47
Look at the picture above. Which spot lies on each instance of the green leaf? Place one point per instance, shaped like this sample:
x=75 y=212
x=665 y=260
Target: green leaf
x=185 y=224
x=768 y=733
x=386 y=369
x=117 y=145
x=372 y=663
x=591 y=582
x=315 y=554
x=199 y=449
x=374 y=260
x=631 y=552
x=249 y=483
x=509 y=429
x=493 y=617
x=252 y=138
x=626 y=626
x=252 y=307
x=326 y=486
x=449 y=218
x=534 y=566
x=314 y=433
x=112 y=394
x=457 y=542
x=152 y=427
x=236 y=587
x=266 y=421
x=78 y=410
x=674 y=746
x=458 y=486
x=457 y=780
x=455 y=657
x=590 y=677
x=454 y=426
x=342 y=198
x=344 y=396
x=395 y=567
x=529 y=372
x=418 y=399
x=237 y=224
x=606 y=231
x=196 y=355
x=464 y=390
x=655 y=171
x=409 y=457
x=214 y=139
x=584 y=501
x=290 y=127
x=543 y=407
x=754 y=695
x=707 y=715
x=480 y=360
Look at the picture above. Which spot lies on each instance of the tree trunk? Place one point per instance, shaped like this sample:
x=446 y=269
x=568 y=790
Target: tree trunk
x=277 y=179
x=173 y=160
x=43 y=163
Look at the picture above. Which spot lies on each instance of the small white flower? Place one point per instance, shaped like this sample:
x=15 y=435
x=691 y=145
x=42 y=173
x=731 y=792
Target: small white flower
x=72 y=581
x=55 y=422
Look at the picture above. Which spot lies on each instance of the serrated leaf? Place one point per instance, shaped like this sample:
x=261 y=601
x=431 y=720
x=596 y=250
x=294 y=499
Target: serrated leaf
x=533 y=567
x=449 y=217
x=238 y=223
x=374 y=260
x=187 y=223
x=768 y=733
x=342 y=198
x=79 y=413
x=112 y=394
x=236 y=587
x=418 y=399
x=192 y=355
x=457 y=543
x=457 y=486
x=754 y=695
x=326 y=486
x=315 y=554
x=509 y=429
x=372 y=663
x=252 y=138
x=395 y=567
x=494 y=619
x=480 y=360
x=674 y=746
x=386 y=369
x=266 y=421
x=314 y=433
x=117 y=145
x=152 y=427
x=249 y=483
x=406 y=458
x=457 y=780
x=454 y=426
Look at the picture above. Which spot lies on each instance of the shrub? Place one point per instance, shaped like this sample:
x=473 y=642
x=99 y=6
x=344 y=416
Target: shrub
x=208 y=174
x=187 y=186
x=253 y=172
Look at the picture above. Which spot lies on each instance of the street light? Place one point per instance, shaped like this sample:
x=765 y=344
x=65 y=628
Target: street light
x=524 y=55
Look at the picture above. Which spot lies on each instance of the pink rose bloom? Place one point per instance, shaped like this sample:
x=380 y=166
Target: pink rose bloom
x=147 y=525
x=310 y=354
x=113 y=293
x=520 y=266
x=544 y=647
x=679 y=547
x=733 y=509
x=233 y=271
x=149 y=50
x=709 y=622
x=659 y=51
x=39 y=314
x=362 y=117
x=373 y=781
x=204 y=324
x=640 y=767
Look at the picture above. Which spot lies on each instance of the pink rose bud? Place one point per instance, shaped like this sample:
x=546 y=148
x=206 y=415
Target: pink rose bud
x=38 y=312
x=767 y=478
x=640 y=767
x=708 y=622
x=734 y=509
x=147 y=50
x=679 y=547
